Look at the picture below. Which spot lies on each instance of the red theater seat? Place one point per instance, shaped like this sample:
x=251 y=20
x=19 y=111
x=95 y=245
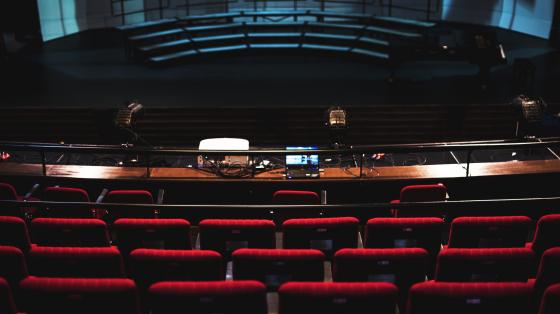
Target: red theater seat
x=547 y=234
x=70 y=232
x=73 y=295
x=488 y=232
x=277 y=266
x=551 y=300
x=469 y=298
x=405 y=233
x=13 y=267
x=484 y=265
x=291 y=197
x=325 y=234
x=67 y=194
x=247 y=297
x=402 y=267
x=7 y=304
x=227 y=235
x=9 y=193
x=421 y=193
x=76 y=262
x=148 y=266
x=130 y=197
x=13 y=232
x=174 y=234
x=329 y=297
x=549 y=271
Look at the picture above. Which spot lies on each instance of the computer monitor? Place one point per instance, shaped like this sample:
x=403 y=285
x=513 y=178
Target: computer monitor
x=302 y=166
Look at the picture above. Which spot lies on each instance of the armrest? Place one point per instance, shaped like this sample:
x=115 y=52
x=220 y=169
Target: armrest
x=101 y=196
x=31 y=191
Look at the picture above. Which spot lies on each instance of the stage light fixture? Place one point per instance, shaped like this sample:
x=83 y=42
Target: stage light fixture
x=336 y=120
x=531 y=112
x=127 y=115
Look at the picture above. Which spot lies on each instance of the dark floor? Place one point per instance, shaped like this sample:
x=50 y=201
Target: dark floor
x=90 y=69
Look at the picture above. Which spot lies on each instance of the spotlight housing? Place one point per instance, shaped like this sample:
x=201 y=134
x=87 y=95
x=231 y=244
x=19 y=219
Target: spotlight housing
x=336 y=120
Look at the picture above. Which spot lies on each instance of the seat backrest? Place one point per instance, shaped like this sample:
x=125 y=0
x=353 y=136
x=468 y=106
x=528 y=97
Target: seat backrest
x=276 y=266
x=129 y=196
x=227 y=235
x=293 y=197
x=148 y=266
x=549 y=270
x=13 y=232
x=550 y=303
x=325 y=234
x=546 y=235
x=423 y=193
x=172 y=234
x=70 y=232
x=13 y=266
x=66 y=194
x=80 y=295
x=468 y=298
x=402 y=267
x=7 y=192
x=7 y=304
x=425 y=233
x=484 y=265
x=76 y=262
x=337 y=297
x=248 y=297
x=488 y=232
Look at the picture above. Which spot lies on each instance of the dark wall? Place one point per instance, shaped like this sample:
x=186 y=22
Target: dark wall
x=20 y=17
x=555 y=31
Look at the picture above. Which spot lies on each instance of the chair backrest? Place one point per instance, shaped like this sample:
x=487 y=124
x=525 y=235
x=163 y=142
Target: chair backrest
x=148 y=266
x=76 y=262
x=423 y=193
x=488 y=232
x=294 y=197
x=129 y=196
x=485 y=265
x=277 y=266
x=228 y=235
x=208 y=297
x=7 y=304
x=468 y=298
x=546 y=234
x=80 y=295
x=13 y=266
x=337 y=297
x=424 y=233
x=70 y=232
x=550 y=303
x=548 y=272
x=66 y=194
x=172 y=234
x=7 y=192
x=325 y=234
x=13 y=232
x=402 y=267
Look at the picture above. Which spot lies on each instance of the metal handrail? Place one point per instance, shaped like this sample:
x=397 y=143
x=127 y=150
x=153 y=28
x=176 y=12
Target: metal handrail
x=383 y=205
x=358 y=149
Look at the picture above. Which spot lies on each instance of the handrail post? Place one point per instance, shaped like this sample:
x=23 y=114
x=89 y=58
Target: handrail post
x=468 y=162
x=361 y=165
x=44 y=162
x=148 y=165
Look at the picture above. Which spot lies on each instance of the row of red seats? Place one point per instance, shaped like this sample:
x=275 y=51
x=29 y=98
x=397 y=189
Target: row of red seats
x=71 y=295
x=326 y=234
x=403 y=267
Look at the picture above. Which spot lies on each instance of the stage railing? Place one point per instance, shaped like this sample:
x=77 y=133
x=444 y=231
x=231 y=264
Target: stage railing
x=387 y=7
x=361 y=160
